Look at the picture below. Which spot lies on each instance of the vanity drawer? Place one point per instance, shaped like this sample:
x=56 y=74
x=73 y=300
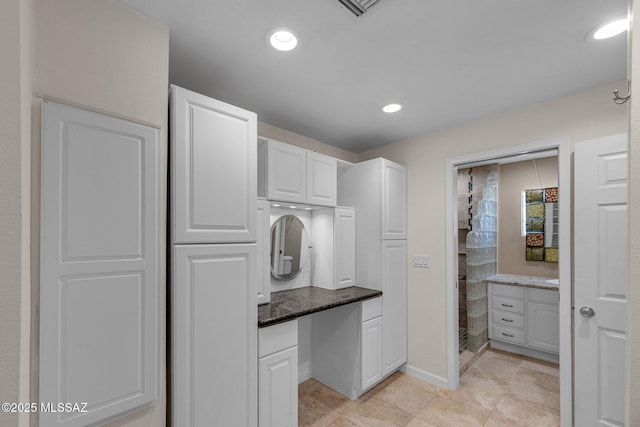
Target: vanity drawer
x=508 y=304
x=513 y=320
x=512 y=335
x=507 y=290
x=277 y=337
x=371 y=308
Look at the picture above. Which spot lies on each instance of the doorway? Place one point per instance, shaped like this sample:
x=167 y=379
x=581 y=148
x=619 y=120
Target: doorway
x=564 y=266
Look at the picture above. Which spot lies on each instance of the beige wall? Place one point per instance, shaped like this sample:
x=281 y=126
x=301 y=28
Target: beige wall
x=581 y=116
x=632 y=394
x=15 y=138
x=100 y=56
x=268 y=131
x=513 y=179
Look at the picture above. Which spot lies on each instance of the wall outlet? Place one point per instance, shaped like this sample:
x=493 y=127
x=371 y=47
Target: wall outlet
x=420 y=261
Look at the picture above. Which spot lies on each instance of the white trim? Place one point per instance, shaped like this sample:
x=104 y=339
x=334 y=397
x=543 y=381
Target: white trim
x=566 y=338
x=425 y=376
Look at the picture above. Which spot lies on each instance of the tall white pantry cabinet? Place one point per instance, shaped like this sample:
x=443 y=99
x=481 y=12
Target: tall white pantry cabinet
x=214 y=262
x=377 y=190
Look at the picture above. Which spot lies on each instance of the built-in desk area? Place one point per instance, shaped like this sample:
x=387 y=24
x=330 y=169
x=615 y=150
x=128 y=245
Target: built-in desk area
x=346 y=345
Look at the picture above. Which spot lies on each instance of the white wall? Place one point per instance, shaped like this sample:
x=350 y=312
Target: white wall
x=98 y=55
x=581 y=116
x=512 y=180
x=15 y=169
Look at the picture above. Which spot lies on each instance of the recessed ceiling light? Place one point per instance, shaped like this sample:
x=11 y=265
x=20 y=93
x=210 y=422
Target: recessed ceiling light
x=611 y=29
x=293 y=207
x=283 y=39
x=275 y=205
x=392 y=108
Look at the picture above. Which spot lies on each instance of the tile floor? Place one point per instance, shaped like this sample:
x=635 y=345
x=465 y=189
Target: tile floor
x=500 y=389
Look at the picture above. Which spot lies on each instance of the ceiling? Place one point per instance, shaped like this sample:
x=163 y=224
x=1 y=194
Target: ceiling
x=447 y=61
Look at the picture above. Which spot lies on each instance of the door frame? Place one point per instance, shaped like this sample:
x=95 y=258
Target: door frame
x=563 y=146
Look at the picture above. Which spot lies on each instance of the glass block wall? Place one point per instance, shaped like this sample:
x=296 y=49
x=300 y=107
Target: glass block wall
x=481 y=247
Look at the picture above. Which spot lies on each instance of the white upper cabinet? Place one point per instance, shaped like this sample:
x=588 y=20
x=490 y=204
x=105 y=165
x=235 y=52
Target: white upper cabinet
x=286 y=177
x=296 y=175
x=394 y=201
x=213 y=170
x=321 y=179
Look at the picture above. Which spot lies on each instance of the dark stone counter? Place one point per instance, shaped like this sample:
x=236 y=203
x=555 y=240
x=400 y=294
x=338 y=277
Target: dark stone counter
x=287 y=305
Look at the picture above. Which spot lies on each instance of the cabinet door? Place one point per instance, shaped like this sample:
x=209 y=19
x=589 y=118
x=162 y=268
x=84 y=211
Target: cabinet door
x=286 y=175
x=100 y=265
x=394 y=201
x=371 y=335
x=214 y=335
x=213 y=170
x=542 y=326
x=344 y=247
x=278 y=389
x=394 y=304
x=263 y=247
x=322 y=176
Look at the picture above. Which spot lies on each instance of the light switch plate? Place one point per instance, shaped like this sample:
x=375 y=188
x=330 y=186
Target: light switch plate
x=420 y=261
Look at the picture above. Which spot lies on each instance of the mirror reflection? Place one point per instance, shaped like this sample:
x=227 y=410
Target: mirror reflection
x=289 y=247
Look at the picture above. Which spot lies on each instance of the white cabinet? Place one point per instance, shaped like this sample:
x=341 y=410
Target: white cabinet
x=394 y=304
x=543 y=320
x=394 y=201
x=296 y=175
x=278 y=375
x=524 y=320
x=263 y=282
x=321 y=176
x=213 y=170
x=344 y=253
x=214 y=335
x=377 y=190
x=100 y=264
x=286 y=172
x=371 y=343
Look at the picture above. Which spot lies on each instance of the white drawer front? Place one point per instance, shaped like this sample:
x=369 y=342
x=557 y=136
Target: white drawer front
x=508 y=304
x=513 y=320
x=371 y=308
x=508 y=290
x=277 y=337
x=502 y=333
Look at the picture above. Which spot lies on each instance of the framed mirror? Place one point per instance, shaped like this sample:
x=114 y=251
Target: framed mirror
x=289 y=247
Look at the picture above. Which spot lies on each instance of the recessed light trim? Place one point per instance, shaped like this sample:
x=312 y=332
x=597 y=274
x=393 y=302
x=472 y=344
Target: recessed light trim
x=392 y=107
x=283 y=39
x=611 y=28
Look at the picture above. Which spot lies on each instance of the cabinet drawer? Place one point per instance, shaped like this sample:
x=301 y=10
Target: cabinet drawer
x=506 y=318
x=543 y=295
x=277 y=337
x=371 y=308
x=502 y=333
x=508 y=304
x=507 y=290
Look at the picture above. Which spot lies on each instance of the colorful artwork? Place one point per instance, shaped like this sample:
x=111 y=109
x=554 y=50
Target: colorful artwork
x=542 y=224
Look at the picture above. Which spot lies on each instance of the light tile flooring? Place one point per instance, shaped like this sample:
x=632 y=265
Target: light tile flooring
x=500 y=389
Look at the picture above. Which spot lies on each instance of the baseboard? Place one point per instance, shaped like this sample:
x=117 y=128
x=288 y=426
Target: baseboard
x=426 y=376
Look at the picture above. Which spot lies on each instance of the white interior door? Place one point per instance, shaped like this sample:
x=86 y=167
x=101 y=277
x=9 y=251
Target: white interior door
x=600 y=245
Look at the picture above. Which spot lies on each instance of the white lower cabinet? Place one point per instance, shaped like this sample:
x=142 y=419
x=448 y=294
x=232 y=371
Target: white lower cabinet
x=371 y=343
x=278 y=375
x=524 y=320
x=394 y=304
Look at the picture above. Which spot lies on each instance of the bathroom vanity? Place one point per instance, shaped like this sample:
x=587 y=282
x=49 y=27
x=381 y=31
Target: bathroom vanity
x=524 y=315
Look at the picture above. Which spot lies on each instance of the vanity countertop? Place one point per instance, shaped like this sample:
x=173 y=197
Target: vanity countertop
x=526 y=281
x=287 y=305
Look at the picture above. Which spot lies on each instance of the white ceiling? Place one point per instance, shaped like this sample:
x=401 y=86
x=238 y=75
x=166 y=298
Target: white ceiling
x=447 y=61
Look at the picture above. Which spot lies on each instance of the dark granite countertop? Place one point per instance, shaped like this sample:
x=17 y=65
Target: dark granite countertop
x=526 y=281
x=287 y=305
